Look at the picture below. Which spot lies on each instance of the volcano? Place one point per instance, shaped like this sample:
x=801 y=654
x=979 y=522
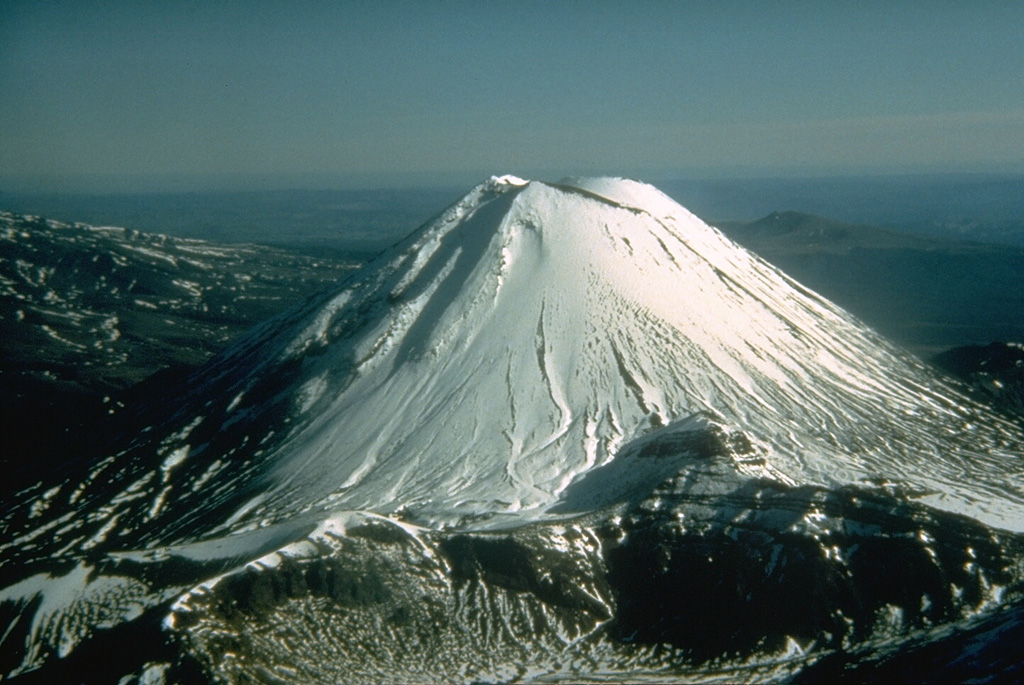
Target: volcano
x=563 y=431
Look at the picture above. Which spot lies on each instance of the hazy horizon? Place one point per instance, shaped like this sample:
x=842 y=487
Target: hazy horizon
x=199 y=184
x=116 y=96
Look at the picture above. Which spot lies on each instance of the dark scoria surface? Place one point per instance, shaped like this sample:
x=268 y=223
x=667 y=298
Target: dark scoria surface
x=995 y=373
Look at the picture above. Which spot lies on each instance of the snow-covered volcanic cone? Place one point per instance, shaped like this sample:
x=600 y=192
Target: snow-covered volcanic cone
x=537 y=356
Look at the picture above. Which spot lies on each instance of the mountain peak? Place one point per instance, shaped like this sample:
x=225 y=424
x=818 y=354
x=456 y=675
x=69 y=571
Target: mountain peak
x=508 y=179
x=519 y=341
x=534 y=328
x=531 y=330
x=627 y=193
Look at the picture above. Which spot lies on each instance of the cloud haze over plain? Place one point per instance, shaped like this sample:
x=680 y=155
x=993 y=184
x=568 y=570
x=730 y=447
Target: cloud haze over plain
x=398 y=92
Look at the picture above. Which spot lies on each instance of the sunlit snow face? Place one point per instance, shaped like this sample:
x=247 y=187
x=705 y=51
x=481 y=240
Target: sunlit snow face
x=575 y=317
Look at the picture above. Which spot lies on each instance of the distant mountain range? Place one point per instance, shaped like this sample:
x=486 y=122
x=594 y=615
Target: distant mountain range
x=928 y=294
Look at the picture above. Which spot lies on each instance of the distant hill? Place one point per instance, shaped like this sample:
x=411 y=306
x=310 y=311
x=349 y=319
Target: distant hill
x=928 y=294
x=796 y=232
x=969 y=206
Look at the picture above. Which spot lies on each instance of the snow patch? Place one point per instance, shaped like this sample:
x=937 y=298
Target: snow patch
x=174 y=459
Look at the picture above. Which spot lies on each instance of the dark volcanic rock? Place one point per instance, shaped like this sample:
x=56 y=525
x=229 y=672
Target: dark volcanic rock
x=995 y=372
x=748 y=571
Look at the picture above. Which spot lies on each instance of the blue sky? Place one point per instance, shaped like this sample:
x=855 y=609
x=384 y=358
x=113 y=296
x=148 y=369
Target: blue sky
x=405 y=92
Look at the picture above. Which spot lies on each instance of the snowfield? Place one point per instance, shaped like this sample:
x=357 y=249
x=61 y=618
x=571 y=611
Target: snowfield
x=524 y=336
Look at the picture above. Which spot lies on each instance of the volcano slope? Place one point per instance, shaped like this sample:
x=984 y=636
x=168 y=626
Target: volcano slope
x=561 y=432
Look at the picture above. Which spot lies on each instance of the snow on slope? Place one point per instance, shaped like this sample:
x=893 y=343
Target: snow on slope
x=531 y=330
x=518 y=341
